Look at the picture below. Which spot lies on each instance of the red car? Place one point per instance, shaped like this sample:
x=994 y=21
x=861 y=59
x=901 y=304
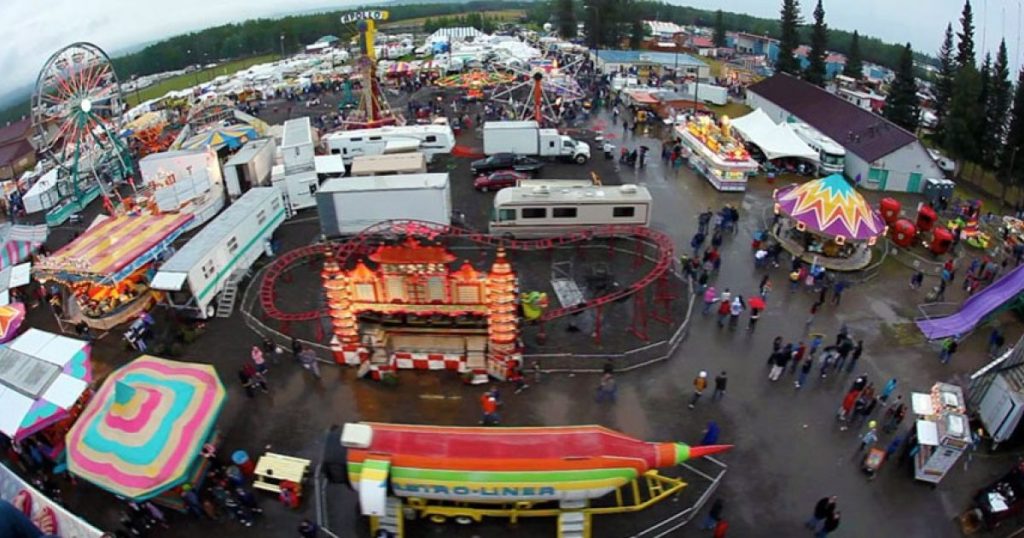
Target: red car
x=498 y=180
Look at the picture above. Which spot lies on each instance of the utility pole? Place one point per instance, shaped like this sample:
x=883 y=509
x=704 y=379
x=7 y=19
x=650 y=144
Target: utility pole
x=282 y=46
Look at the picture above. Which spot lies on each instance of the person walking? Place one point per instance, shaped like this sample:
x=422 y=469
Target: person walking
x=846 y=409
x=887 y=390
x=830 y=525
x=714 y=514
x=258 y=360
x=894 y=415
x=855 y=356
x=810 y=319
x=949 y=346
x=755 y=314
x=724 y=307
x=824 y=508
x=699 y=384
x=309 y=361
x=489 y=409
x=696 y=243
x=779 y=362
x=798 y=356
x=308 y=529
x=710 y=296
x=721 y=380
x=735 y=309
x=995 y=342
x=837 y=292
x=765 y=287
x=805 y=370
x=916 y=280
x=710 y=434
x=606 y=389
x=869 y=438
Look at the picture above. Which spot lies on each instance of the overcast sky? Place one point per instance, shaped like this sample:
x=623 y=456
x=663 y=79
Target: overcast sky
x=35 y=29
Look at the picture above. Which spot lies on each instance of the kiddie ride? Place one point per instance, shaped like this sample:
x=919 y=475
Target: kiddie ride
x=467 y=474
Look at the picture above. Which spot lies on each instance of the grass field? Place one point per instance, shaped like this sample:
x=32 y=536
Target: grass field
x=181 y=82
x=501 y=15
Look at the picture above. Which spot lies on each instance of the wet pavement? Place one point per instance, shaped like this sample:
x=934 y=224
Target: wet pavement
x=788 y=450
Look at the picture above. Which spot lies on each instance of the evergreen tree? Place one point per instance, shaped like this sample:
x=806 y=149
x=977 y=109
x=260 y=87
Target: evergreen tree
x=901 y=104
x=998 y=105
x=815 y=72
x=965 y=49
x=566 y=13
x=636 y=33
x=719 y=36
x=958 y=135
x=945 y=77
x=981 y=128
x=854 y=67
x=1011 y=158
x=789 y=38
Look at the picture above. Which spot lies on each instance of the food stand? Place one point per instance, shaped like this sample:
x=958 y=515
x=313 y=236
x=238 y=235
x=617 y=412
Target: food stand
x=105 y=272
x=943 y=431
x=716 y=154
x=141 y=436
x=827 y=222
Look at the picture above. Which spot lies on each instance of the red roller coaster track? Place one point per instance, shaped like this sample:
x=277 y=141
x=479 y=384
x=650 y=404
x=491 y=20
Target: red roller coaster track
x=345 y=250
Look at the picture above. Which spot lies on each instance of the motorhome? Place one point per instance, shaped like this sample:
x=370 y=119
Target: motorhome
x=224 y=250
x=389 y=165
x=427 y=139
x=551 y=210
x=832 y=155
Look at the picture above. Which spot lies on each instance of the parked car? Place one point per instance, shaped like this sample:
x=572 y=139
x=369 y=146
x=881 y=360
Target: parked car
x=506 y=161
x=498 y=180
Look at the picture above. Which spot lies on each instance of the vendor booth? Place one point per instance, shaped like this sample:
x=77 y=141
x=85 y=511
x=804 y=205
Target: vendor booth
x=43 y=194
x=105 y=273
x=943 y=431
x=827 y=222
x=716 y=154
x=142 y=434
x=44 y=383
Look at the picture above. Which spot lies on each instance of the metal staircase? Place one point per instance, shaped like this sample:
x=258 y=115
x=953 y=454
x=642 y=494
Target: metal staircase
x=228 y=296
x=572 y=522
x=391 y=521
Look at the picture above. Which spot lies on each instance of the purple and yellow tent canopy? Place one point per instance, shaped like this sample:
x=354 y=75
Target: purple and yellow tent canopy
x=832 y=207
x=141 y=433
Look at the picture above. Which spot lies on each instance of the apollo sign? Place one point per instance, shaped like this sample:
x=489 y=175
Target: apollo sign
x=378 y=15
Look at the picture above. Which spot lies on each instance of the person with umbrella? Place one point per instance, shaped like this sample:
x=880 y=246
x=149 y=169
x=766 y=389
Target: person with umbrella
x=756 y=304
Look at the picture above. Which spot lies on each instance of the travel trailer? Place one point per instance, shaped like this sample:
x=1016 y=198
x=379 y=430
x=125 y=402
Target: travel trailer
x=221 y=252
x=550 y=210
x=427 y=139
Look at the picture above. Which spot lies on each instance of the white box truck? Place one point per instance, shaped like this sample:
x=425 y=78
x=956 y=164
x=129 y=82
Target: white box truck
x=298 y=146
x=196 y=274
x=348 y=205
x=527 y=138
x=708 y=93
x=250 y=167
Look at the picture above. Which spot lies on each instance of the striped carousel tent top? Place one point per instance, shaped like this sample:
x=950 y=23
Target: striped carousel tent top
x=142 y=432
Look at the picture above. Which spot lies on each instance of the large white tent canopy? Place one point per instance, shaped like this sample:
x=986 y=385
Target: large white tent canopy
x=776 y=141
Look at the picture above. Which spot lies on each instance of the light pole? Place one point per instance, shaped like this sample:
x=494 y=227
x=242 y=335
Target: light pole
x=594 y=33
x=282 y=46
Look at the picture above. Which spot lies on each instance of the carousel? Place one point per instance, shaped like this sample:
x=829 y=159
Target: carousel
x=828 y=223
x=104 y=273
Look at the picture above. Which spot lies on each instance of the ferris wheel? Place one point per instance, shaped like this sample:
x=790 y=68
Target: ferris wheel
x=76 y=111
x=539 y=92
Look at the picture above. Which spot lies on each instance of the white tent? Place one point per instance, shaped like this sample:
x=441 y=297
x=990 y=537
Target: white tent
x=775 y=141
x=43 y=195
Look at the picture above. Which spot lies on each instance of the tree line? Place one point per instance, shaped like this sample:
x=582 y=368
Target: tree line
x=980 y=113
x=617 y=20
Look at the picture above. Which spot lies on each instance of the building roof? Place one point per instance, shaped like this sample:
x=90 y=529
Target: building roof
x=644 y=56
x=702 y=42
x=454 y=34
x=18 y=130
x=11 y=153
x=754 y=36
x=863 y=133
x=663 y=27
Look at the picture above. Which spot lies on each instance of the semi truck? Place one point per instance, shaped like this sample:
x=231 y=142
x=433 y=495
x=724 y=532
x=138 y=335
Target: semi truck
x=527 y=138
x=349 y=205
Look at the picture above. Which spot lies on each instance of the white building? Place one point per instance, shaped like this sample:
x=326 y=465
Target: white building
x=880 y=155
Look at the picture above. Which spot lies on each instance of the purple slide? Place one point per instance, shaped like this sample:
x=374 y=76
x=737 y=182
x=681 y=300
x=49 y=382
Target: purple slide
x=976 y=307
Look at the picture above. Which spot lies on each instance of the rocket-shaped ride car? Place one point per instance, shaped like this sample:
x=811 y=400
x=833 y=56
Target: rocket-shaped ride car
x=499 y=465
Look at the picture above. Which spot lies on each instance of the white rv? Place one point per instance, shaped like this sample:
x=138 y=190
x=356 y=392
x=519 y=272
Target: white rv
x=550 y=210
x=197 y=273
x=427 y=139
x=831 y=154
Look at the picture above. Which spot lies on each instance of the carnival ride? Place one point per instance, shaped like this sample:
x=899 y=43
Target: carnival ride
x=345 y=254
x=1006 y=292
x=469 y=473
x=540 y=91
x=373 y=110
x=475 y=81
x=76 y=111
x=149 y=133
